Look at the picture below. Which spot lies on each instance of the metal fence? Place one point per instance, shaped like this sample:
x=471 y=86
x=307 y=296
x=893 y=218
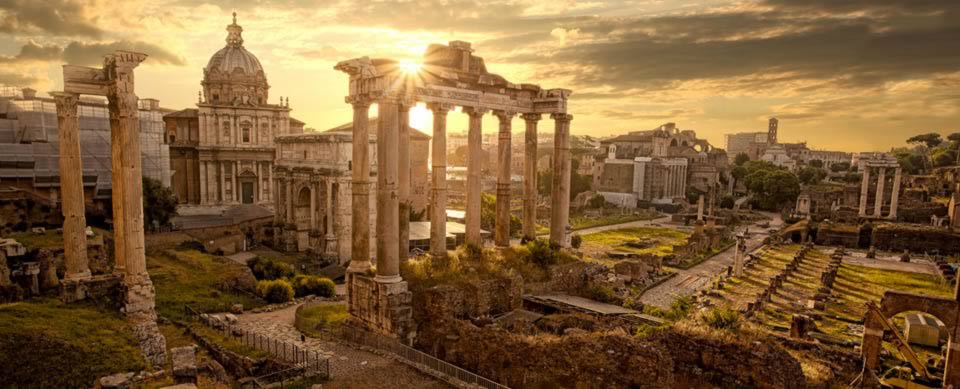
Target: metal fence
x=307 y=362
x=449 y=372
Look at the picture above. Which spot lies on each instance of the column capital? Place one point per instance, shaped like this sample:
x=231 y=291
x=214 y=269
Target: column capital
x=66 y=99
x=475 y=112
x=532 y=117
x=440 y=108
x=359 y=101
x=504 y=116
x=406 y=102
x=561 y=117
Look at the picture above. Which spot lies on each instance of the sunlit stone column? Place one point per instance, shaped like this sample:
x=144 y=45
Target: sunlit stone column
x=474 y=185
x=127 y=169
x=288 y=183
x=71 y=189
x=530 y=176
x=438 y=210
x=881 y=183
x=203 y=183
x=560 y=207
x=360 y=187
x=403 y=188
x=895 y=196
x=502 y=230
x=328 y=226
x=313 y=206
x=864 y=190
x=223 y=183
x=388 y=211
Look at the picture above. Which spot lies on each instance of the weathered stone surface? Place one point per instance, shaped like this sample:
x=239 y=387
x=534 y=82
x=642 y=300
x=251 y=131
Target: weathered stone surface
x=236 y=309
x=184 y=361
x=117 y=381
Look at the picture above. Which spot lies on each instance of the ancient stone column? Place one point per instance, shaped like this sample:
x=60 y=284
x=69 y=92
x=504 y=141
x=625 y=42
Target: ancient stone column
x=474 y=185
x=700 y=209
x=864 y=190
x=270 y=192
x=403 y=187
x=203 y=183
x=388 y=207
x=560 y=206
x=71 y=189
x=502 y=231
x=288 y=184
x=313 y=206
x=236 y=182
x=895 y=196
x=127 y=172
x=878 y=202
x=360 y=188
x=438 y=210
x=328 y=226
x=223 y=183
x=530 y=176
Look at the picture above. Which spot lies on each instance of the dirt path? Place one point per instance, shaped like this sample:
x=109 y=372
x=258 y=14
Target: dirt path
x=349 y=367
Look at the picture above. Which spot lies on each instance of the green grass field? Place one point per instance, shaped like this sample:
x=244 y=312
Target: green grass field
x=313 y=318
x=49 y=344
x=193 y=278
x=662 y=240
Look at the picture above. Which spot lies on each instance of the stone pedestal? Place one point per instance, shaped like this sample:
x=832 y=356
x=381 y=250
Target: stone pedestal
x=381 y=307
x=290 y=238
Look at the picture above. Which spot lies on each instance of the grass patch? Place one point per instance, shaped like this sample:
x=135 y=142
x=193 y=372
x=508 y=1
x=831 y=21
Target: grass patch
x=49 y=344
x=583 y=222
x=312 y=319
x=227 y=341
x=193 y=278
x=662 y=240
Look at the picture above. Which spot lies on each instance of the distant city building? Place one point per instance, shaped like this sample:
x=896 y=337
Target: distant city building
x=30 y=153
x=656 y=166
x=740 y=143
x=223 y=151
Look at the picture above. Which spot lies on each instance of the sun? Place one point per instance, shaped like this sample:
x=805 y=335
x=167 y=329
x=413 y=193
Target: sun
x=409 y=66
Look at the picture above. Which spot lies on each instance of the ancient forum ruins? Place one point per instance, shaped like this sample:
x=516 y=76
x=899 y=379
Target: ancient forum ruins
x=115 y=81
x=450 y=76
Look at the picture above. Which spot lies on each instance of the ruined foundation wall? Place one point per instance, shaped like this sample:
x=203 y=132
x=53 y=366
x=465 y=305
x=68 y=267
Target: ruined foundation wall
x=916 y=239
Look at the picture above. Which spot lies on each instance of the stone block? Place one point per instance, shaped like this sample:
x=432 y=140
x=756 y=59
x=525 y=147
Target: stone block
x=923 y=330
x=231 y=318
x=117 y=381
x=236 y=309
x=184 y=361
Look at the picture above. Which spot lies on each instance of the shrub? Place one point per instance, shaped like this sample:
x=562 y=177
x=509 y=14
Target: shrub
x=722 y=319
x=576 y=240
x=275 y=291
x=603 y=294
x=542 y=253
x=315 y=285
x=266 y=269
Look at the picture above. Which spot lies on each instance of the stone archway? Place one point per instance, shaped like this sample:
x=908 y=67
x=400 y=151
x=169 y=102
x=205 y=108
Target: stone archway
x=896 y=302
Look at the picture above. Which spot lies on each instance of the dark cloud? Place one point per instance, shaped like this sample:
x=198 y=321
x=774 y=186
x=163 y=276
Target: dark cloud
x=80 y=53
x=90 y=54
x=54 y=17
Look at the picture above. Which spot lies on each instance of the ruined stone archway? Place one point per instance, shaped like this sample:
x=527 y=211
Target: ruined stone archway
x=896 y=302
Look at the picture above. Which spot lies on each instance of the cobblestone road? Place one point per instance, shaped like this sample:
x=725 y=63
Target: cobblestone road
x=689 y=282
x=350 y=367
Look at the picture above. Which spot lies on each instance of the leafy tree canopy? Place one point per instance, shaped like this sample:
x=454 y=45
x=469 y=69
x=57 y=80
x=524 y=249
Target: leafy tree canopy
x=930 y=140
x=159 y=203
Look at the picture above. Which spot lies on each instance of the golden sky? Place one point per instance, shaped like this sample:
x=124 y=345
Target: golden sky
x=840 y=74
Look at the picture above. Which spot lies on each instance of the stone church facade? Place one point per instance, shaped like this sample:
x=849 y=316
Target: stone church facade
x=222 y=153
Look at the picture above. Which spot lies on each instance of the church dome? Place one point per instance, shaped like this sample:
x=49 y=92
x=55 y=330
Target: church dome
x=234 y=56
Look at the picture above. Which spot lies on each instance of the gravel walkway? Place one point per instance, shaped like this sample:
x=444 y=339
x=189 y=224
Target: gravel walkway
x=349 y=367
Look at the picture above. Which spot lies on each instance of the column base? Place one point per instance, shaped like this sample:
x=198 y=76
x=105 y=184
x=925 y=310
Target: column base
x=387 y=279
x=84 y=275
x=384 y=308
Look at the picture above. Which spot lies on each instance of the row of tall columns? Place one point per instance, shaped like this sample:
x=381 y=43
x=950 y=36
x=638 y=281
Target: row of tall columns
x=560 y=207
x=360 y=188
x=388 y=204
x=530 y=176
x=438 y=208
x=501 y=236
x=675 y=185
x=474 y=186
x=71 y=189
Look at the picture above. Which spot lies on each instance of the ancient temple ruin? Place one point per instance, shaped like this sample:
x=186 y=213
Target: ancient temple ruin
x=880 y=164
x=115 y=81
x=450 y=76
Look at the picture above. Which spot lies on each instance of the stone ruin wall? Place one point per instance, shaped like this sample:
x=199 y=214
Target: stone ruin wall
x=916 y=239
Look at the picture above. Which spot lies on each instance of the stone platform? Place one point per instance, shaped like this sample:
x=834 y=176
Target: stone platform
x=381 y=307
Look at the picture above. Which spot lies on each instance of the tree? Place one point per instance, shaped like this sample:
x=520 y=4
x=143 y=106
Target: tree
x=727 y=203
x=810 y=175
x=773 y=188
x=930 y=140
x=597 y=202
x=741 y=159
x=840 y=167
x=488 y=215
x=159 y=203
x=816 y=163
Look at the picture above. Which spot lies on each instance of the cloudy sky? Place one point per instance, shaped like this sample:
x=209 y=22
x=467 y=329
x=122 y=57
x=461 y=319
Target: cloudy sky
x=840 y=74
